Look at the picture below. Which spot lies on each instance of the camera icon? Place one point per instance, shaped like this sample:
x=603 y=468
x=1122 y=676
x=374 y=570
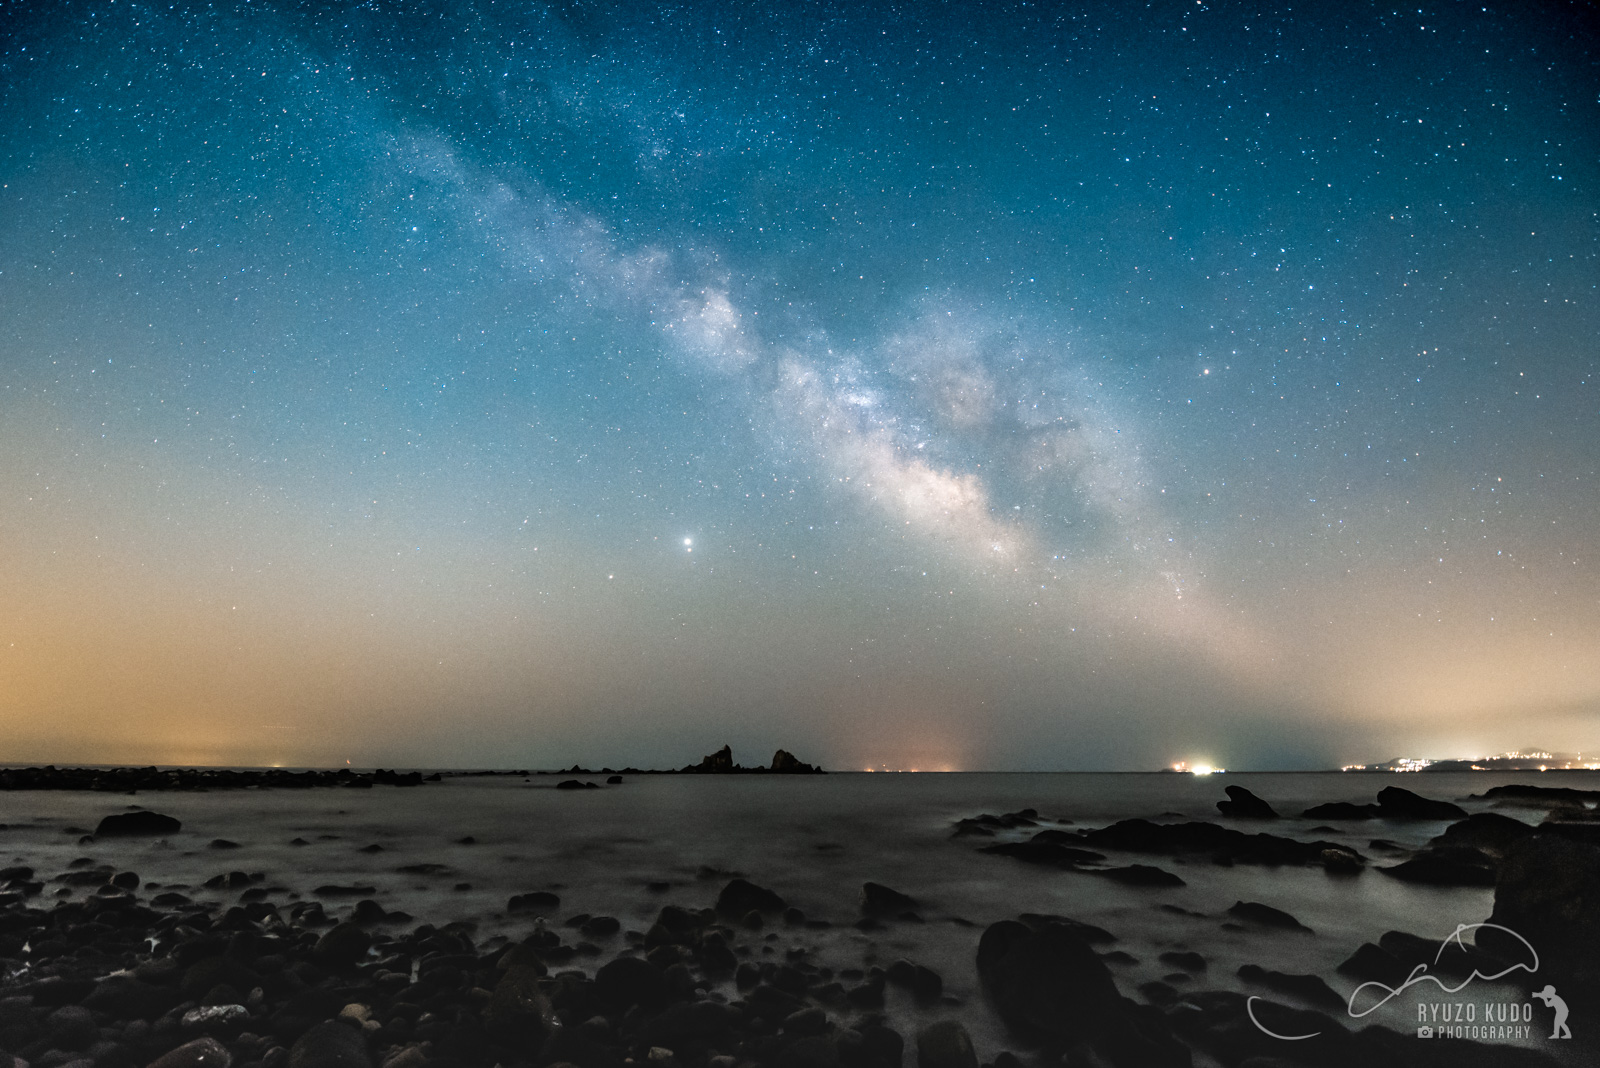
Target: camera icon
x=1424 y=1032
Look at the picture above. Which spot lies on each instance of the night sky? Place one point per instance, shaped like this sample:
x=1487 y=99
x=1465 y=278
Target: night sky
x=1006 y=386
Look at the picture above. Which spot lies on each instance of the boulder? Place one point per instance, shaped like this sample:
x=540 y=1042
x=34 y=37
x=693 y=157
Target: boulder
x=1448 y=866
x=1046 y=982
x=1266 y=916
x=741 y=896
x=201 y=1053
x=1242 y=804
x=135 y=824
x=71 y=1027
x=1395 y=803
x=1488 y=832
x=330 y=1045
x=629 y=981
x=945 y=1044
x=880 y=900
x=1340 y=810
x=1548 y=891
x=785 y=762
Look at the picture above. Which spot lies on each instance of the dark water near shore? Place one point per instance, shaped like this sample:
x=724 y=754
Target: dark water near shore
x=814 y=840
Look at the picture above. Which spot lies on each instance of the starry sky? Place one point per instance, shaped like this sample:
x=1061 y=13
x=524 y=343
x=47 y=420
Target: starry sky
x=965 y=385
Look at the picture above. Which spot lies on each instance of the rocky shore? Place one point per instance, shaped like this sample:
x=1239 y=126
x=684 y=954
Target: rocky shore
x=100 y=968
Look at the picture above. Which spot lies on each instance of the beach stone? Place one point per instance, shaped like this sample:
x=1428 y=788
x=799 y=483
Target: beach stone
x=1371 y=963
x=201 y=1053
x=1189 y=962
x=1395 y=803
x=1142 y=875
x=1047 y=981
x=741 y=896
x=407 y=1057
x=534 y=901
x=330 y=1045
x=134 y=824
x=1308 y=988
x=810 y=1021
x=216 y=1019
x=71 y=1027
x=879 y=900
x=881 y=1045
x=342 y=945
x=1266 y=916
x=630 y=981
x=945 y=1044
x=518 y=1010
x=1242 y=804
x=811 y=1051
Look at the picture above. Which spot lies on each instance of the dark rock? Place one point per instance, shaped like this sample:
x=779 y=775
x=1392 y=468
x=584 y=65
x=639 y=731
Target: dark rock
x=629 y=981
x=614 y=780
x=1242 y=804
x=576 y=784
x=1047 y=981
x=1308 y=988
x=1489 y=832
x=1454 y=866
x=518 y=1012
x=1189 y=962
x=811 y=1051
x=1141 y=875
x=128 y=998
x=1220 y=843
x=1372 y=963
x=71 y=1027
x=740 y=897
x=1091 y=934
x=600 y=926
x=1340 y=810
x=720 y=761
x=881 y=1045
x=536 y=901
x=786 y=763
x=342 y=945
x=1548 y=891
x=330 y=1045
x=201 y=1053
x=810 y=1021
x=880 y=900
x=333 y=890
x=1395 y=803
x=945 y=1044
x=1266 y=916
x=222 y=843
x=128 y=880
x=139 y=823
x=1046 y=852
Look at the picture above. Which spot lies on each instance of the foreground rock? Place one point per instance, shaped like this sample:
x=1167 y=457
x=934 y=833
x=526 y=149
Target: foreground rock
x=1548 y=891
x=1223 y=844
x=1048 y=985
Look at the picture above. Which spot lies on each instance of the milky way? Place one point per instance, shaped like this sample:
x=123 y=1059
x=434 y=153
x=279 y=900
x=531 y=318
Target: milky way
x=929 y=386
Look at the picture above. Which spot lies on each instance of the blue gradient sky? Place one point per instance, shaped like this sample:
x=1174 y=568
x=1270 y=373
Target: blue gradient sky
x=969 y=386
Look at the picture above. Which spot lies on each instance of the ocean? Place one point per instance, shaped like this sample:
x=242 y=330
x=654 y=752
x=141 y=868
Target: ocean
x=627 y=850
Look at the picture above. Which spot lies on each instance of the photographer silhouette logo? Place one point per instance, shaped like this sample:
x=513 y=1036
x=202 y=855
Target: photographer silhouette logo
x=1550 y=998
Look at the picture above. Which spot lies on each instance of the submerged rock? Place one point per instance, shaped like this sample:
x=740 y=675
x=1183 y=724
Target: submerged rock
x=1266 y=916
x=138 y=823
x=880 y=900
x=741 y=896
x=1395 y=803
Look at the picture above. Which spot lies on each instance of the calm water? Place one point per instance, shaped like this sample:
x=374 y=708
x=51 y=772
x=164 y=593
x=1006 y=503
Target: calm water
x=814 y=840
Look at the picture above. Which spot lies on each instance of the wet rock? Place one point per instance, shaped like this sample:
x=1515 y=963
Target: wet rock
x=880 y=1046
x=1220 y=843
x=518 y=1012
x=1141 y=875
x=1242 y=804
x=536 y=901
x=342 y=945
x=71 y=1027
x=576 y=784
x=1091 y=934
x=880 y=900
x=741 y=896
x=629 y=981
x=330 y=1045
x=811 y=1051
x=1488 y=832
x=945 y=1044
x=614 y=780
x=1266 y=916
x=406 y=1057
x=336 y=890
x=136 y=824
x=1340 y=810
x=1548 y=891
x=1449 y=866
x=1308 y=988
x=1395 y=803
x=1047 y=981
x=1371 y=963
x=201 y=1053
x=222 y=1020
x=1049 y=852
x=810 y=1021
x=1188 y=961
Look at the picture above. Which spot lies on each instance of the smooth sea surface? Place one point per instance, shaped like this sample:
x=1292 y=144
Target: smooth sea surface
x=814 y=840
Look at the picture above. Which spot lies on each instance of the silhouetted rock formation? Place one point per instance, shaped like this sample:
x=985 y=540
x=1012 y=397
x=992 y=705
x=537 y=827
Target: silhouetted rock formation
x=1242 y=804
x=721 y=763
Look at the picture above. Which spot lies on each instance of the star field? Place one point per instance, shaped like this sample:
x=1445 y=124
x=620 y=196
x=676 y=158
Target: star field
x=971 y=386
